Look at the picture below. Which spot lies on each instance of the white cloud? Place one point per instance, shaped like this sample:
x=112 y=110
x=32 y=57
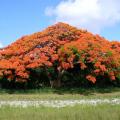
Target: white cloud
x=1 y=45
x=93 y=15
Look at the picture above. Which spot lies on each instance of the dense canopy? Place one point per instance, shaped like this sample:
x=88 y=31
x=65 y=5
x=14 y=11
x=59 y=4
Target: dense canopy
x=61 y=48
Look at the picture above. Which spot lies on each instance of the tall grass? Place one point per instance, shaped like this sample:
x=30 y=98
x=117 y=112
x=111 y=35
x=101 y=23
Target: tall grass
x=81 y=112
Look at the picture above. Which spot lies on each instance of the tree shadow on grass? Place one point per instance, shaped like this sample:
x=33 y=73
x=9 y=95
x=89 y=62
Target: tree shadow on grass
x=86 y=91
x=61 y=91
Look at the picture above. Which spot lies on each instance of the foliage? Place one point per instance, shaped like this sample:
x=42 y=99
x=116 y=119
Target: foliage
x=93 y=55
x=56 y=50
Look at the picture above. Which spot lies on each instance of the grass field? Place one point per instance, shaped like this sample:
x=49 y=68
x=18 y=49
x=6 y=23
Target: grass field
x=63 y=94
x=77 y=112
x=81 y=112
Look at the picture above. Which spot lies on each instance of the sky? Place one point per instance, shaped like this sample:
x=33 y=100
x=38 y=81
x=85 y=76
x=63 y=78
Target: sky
x=22 y=17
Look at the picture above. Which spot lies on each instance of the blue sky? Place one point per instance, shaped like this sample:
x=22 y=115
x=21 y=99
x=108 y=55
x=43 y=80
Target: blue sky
x=21 y=17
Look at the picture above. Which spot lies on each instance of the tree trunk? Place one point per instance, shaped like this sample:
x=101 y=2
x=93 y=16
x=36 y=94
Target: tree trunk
x=57 y=83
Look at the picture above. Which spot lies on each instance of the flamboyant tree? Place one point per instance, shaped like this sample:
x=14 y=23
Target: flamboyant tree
x=60 y=47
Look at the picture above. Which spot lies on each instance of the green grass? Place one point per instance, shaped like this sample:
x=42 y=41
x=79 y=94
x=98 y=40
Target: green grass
x=52 y=94
x=81 y=112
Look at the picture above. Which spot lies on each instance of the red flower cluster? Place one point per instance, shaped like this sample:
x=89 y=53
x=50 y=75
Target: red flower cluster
x=62 y=45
